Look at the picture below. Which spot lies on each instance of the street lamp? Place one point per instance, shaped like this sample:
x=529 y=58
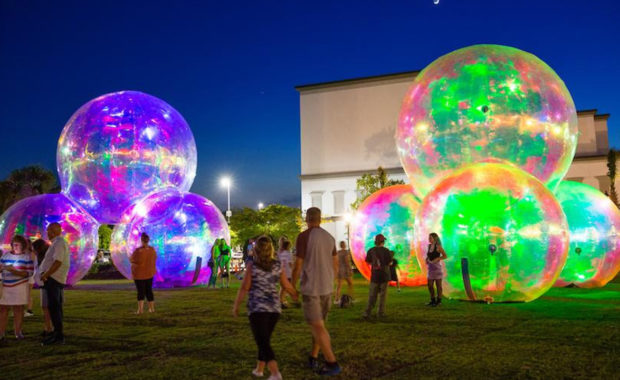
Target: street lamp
x=226 y=182
x=261 y=205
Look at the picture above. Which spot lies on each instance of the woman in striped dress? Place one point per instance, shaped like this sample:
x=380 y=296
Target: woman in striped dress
x=16 y=267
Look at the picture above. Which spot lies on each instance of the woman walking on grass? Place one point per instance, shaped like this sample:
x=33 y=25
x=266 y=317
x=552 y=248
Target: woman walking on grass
x=260 y=282
x=143 y=270
x=16 y=268
x=434 y=256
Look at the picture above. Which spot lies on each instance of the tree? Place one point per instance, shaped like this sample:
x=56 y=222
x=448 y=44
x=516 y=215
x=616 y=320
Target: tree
x=26 y=182
x=105 y=236
x=369 y=183
x=274 y=221
x=611 y=165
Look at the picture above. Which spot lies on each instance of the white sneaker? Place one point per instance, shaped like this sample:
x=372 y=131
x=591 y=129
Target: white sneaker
x=275 y=377
x=28 y=313
x=256 y=373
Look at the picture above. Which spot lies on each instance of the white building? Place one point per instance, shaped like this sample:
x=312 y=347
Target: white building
x=347 y=129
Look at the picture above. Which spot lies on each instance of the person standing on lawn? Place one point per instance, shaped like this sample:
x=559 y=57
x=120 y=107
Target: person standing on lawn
x=344 y=271
x=379 y=259
x=223 y=262
x=143 y=269
x=434 y=256
x=317 y=264
x=215 y=253
x=40 y=246
x=54 y=271
x=16 y=267
x=263 y=273
x=286 y=260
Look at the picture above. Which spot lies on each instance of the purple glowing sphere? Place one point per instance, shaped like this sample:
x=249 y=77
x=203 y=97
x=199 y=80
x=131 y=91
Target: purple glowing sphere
x=119 y=147
x=182 y=227
x=31 y=216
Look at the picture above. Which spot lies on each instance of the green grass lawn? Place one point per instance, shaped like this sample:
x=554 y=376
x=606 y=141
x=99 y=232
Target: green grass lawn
x=568 y=333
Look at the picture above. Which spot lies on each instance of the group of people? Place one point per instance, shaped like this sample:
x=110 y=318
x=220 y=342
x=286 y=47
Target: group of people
x=219 y=263
x=28 y=263
x=316 y=264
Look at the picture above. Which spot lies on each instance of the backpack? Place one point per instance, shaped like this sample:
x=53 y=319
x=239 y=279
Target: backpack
x=381 y=272
x=345 y=301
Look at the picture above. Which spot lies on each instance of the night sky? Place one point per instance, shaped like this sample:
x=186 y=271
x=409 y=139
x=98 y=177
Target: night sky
x=230 y=67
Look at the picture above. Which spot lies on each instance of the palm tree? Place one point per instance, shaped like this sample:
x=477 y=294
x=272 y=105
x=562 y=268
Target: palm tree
x=611 y=165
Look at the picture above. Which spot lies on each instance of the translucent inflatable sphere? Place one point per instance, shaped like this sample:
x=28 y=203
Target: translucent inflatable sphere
x=594 y=221
x=486 y=101
x=504 y=233
x=120 y=147
x=182 y=227
x=391 y=212
x=31 y=216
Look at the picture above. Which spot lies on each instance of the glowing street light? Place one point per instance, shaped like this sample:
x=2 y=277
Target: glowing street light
x=261 y=205
x=226 y=182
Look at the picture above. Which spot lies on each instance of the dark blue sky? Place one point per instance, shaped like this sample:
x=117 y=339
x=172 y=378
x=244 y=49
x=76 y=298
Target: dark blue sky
x=230 y=67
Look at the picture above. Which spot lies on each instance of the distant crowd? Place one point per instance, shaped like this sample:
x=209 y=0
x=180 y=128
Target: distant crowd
x=317 y=265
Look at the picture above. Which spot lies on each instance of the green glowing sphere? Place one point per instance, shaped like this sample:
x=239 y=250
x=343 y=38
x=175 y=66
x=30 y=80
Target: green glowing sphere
x=486 y=101
x=503 y=231
x=594 y=222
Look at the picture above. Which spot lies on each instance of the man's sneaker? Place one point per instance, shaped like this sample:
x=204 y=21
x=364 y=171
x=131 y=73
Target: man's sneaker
x=28 y=313
x=19 y=336
x=329 y=370
x=313 y=363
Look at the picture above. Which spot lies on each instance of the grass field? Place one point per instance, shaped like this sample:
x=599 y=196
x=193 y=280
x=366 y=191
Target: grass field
x=568 y=333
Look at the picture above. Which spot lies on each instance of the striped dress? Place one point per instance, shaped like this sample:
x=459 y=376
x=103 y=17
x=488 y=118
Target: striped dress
x=15 y=288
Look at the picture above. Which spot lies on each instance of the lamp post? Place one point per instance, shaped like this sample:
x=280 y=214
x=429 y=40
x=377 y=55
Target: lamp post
x=226 y=182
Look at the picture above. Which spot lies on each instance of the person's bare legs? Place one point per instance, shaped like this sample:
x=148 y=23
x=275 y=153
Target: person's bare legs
x=151 y=306
x=18 y=318
x=322 y=340
x=140 y=307
x=260 y=366
x=273 y=368
x=439 y=289
x=47 y=320
x=30 y=297
x=350 y=284
x=431 y=288
x=338 y=288
x=4 y=317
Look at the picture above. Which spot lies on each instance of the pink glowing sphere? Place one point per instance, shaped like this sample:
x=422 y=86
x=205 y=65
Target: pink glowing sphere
x=182 y=227
x=31 y=216
x=119 y=147
x=486 y=101
x=505 y=235
x=390 y=211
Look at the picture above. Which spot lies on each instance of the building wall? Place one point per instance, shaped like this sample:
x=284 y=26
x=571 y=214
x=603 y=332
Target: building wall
x=347 y=129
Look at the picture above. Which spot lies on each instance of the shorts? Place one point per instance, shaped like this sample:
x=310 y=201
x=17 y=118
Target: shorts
x=316 y=307
x=44 y=303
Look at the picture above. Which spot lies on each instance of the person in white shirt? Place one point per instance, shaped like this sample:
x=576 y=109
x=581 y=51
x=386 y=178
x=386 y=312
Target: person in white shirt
x=286 y=261
x=54 y=270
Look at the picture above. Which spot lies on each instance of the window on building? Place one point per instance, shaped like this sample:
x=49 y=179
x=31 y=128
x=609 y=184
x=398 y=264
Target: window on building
x=317 y=199
x=338 y=202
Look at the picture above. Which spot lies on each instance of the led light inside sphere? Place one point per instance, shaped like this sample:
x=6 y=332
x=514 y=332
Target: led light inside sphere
x=505 y=234
x=120 y=147
x=390 y=211
x=486 y=101
x=182 y=228
x=31 y=216
x=594 y=221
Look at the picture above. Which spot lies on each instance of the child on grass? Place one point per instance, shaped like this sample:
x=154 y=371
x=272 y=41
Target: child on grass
x=260 y=281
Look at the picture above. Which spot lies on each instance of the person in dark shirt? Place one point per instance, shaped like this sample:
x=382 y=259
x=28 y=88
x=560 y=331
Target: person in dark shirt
x=379 y=259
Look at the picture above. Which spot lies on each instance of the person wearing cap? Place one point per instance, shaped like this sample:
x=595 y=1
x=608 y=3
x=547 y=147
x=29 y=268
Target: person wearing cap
x=379 y=259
